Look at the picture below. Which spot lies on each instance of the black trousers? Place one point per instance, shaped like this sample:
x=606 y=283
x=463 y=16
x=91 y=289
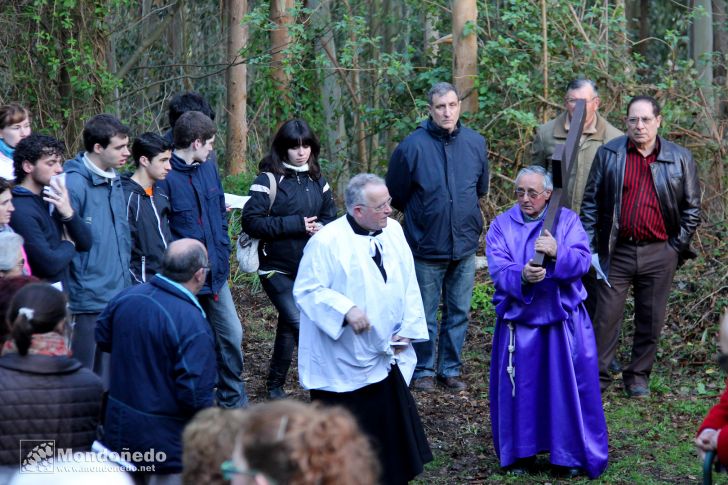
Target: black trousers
x=279 y=288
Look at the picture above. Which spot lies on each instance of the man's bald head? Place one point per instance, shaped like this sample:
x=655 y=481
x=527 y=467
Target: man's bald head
x=183 y=259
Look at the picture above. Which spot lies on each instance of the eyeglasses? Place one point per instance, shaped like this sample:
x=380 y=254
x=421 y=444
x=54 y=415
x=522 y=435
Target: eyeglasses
x=206 y=267
x=229 y=469
x=532 y=194
x=572 y=101
x=381 y=207
x=634 y=121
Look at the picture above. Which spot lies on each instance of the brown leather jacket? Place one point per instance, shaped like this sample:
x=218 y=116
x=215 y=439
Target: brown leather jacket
x=678 y=189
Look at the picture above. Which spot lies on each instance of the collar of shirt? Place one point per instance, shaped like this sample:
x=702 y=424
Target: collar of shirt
x=185 y=291
x=360 y=230
x=632 y=148
x=589 y=129
x=109 y=175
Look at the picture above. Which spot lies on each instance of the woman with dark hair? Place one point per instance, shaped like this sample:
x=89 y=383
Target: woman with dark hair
x=303 y=204
x=13 y=261
x=43 y=391
x=14 y=126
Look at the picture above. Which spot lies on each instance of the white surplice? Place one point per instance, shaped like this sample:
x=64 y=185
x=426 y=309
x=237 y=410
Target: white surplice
x=336 y=273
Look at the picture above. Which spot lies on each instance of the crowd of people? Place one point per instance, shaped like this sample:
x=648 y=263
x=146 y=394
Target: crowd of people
x=118 y=319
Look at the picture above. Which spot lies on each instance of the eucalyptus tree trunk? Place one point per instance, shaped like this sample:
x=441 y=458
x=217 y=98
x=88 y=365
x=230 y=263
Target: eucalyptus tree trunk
x=331 y=99
x=465 y=52
x=280 y=38
x=701 y=48
x=237 y=90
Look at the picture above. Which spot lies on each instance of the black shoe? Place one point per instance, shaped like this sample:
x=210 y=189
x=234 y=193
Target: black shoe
x=522 y=466
x=276 y=393
x=567 y=472
x=452 y=383
x=637 y=391
x=615 y=367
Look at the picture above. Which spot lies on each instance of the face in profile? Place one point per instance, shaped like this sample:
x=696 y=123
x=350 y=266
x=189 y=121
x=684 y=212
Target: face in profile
x=6 y=207
x=115 y=154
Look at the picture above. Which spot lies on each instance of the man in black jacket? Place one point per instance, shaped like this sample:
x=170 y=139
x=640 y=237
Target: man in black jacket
x=147 y=208
x=436 y=176
x=641 y=208
x=52 y=230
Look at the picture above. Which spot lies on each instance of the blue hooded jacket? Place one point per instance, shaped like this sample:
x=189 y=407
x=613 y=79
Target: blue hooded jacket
x=99 y=274
x=198 y=211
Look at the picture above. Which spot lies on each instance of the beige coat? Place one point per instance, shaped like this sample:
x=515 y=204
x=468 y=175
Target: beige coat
x=553 y=133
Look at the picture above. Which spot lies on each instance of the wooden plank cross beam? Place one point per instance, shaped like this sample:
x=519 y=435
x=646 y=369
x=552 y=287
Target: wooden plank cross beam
x=564 y=155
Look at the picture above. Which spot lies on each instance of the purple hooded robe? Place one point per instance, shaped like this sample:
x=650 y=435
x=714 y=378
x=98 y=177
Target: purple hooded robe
x=550 y=401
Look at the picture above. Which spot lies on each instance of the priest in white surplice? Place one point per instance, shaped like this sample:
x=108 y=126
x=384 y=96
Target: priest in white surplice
x=360 y=310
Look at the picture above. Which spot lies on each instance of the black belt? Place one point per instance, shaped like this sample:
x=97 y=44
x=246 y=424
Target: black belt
x=635 y=242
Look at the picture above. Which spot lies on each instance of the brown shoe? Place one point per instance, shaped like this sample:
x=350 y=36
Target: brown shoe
x=426 y=384
x=452 y=383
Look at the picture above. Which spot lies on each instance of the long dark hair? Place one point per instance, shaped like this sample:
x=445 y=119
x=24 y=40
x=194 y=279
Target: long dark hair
x=43 y=307
x=291 y=134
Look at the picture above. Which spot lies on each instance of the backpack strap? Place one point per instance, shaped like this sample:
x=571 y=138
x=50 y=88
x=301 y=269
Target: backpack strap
x=273 y=189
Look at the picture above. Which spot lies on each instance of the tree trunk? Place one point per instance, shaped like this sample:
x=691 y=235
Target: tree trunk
x=331 y=99
x=720 y=44
x=280 y=15
x=701 y=48
x=545 y=57
x=237 y=90
x=465 y=52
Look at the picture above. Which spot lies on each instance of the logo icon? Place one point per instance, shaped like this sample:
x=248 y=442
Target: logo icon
x=37 y=456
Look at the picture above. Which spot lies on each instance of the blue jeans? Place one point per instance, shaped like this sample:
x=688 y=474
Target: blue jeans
x=228 y=344
x=453 y=280
x=279 y=288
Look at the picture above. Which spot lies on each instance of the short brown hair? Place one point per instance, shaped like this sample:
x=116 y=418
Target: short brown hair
x=12 y=113
x=208 y=441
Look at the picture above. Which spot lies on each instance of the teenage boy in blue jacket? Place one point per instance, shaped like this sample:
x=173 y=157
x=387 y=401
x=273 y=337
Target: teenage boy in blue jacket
x=198 y=212
x=98 y=275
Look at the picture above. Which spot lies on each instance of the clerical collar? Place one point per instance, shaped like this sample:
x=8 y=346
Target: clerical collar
x=360 y=230
x=301 y=169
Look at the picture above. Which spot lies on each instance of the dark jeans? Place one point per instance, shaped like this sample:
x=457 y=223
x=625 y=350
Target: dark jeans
x=279 y=288
x=648 y=269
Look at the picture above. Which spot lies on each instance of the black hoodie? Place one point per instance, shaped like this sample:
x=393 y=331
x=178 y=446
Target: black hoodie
x=149 y=225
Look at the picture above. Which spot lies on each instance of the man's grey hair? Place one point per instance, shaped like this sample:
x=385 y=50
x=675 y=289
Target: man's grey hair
x=354 y=194
x=441 y=89
x=580 y=83
x=548 y=183
x=181 y=265
x=10 y=244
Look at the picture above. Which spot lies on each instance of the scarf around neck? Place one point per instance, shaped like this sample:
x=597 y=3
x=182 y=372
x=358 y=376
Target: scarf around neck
x=50 y=343
x=301 y=169
x=6 y=149
x=110 y=174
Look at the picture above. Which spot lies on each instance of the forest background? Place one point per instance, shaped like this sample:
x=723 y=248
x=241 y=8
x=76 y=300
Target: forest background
x=359 y=71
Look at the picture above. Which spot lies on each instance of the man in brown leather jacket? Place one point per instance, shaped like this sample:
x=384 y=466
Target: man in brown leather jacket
x=641 y=208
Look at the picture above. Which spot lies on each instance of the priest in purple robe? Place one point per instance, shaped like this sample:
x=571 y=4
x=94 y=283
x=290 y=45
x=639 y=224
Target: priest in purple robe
x=544 y=374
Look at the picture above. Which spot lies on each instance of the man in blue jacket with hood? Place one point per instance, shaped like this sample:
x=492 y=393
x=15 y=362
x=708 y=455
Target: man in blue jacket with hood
x=436 y=176
x=97 y=275
x=198 y=212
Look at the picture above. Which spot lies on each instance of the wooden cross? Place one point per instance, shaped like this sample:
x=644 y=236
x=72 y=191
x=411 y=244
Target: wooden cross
x=564 y=155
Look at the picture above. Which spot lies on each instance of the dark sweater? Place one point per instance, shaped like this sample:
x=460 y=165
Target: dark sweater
x=49 y=256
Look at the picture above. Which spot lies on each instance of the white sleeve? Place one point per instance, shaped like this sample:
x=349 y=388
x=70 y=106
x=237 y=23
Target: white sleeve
x=313 y=291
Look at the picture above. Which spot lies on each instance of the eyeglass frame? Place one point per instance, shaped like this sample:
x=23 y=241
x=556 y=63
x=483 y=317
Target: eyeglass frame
x=381 y=207
x=229 y=469
x=635 y=120
x=530 y=193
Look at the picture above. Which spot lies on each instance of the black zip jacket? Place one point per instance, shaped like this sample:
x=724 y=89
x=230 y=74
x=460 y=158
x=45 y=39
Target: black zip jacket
x=283 y=233
x=149 y=226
